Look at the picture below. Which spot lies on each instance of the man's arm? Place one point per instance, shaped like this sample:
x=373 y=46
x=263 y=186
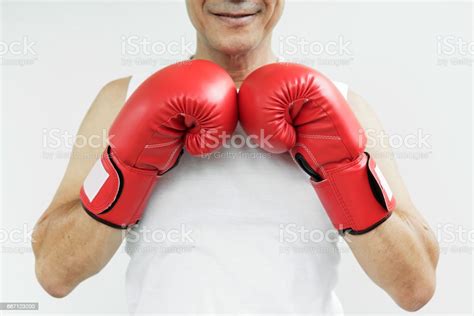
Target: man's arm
x=70 y=246
x=401 y=254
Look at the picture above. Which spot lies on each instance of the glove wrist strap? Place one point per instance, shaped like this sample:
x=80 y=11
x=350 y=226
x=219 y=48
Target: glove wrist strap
x=116 y=194
x=356 y=197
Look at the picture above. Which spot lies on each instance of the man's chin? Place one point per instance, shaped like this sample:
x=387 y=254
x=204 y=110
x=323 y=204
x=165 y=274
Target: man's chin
x=236 y=45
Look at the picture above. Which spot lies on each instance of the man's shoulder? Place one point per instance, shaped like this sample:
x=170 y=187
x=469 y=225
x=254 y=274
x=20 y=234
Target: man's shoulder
x=115 y=89
x=107 y=103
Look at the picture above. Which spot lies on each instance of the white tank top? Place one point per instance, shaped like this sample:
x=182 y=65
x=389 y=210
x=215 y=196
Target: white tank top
x=239 y=231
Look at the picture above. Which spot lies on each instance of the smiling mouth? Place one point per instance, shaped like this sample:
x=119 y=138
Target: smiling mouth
x=235 y=15
x=236 y=19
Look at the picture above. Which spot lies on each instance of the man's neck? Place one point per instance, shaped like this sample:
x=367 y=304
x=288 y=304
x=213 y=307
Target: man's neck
x=238 y=66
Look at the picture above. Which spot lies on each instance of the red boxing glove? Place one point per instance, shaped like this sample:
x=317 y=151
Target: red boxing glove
x=304 y=113
x=190 y=104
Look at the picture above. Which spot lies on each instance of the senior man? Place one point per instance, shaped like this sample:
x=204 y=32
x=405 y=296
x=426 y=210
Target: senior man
x=238 y=213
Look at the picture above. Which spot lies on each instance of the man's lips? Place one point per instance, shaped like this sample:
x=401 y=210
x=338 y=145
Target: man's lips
x=236 y=19
x=235 y=14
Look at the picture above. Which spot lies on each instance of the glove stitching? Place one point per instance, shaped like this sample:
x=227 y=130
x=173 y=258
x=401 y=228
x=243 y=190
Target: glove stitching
x=323 y=108
x=168 y=162
x=162 y=145
x=320 y=137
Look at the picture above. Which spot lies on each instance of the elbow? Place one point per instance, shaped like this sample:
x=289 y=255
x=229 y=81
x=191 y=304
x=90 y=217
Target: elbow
x=59 y=280
x=419 y=286
x=55 y=290
x=416 y=294
x=53 y=284
x=48 y=278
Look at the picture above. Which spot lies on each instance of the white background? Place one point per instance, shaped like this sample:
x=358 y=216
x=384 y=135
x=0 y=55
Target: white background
x=393 y=60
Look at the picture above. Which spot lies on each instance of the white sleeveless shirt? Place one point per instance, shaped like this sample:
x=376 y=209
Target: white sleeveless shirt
x=239 y=231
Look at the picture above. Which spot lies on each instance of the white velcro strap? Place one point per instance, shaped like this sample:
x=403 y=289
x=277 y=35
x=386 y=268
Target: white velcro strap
x=383 y=182
x=95 y=180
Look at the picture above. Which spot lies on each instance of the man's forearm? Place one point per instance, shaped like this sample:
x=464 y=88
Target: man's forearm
x=401 y=257
x=69 y=247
